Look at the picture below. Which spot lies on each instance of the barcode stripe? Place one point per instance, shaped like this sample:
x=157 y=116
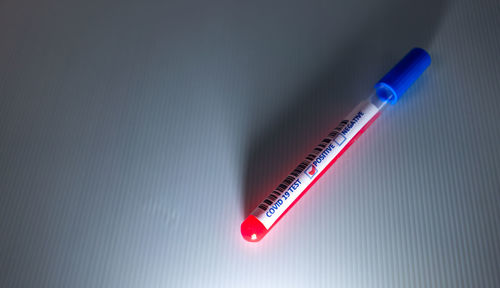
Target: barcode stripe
x=275 y=195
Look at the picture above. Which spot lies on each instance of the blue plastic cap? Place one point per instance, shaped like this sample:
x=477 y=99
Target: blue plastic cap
x=401 y=77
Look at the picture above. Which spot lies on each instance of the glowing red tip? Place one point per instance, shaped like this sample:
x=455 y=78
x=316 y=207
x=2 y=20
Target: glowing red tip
x=252 y=229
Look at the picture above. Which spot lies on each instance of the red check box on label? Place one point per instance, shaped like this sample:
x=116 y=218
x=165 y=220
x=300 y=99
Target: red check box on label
x=311 y=171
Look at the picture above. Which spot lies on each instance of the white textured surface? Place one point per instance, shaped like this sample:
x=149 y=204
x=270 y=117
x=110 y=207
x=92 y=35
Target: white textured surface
x=135 y=138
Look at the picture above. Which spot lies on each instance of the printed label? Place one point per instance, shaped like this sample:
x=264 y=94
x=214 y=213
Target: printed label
x=305 y=173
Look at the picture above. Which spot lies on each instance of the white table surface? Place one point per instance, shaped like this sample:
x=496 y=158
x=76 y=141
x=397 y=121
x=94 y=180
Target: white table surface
x=137 y=135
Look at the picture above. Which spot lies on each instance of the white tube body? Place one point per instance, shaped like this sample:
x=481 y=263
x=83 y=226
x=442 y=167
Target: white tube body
x=318 y=161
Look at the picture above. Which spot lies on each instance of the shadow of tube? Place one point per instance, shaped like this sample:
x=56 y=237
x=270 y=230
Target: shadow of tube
x=388 y=35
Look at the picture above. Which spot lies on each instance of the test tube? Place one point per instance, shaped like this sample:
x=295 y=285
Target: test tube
x=386 y=91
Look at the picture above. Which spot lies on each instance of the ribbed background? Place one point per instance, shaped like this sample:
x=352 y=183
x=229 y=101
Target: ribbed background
x=137 y=135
